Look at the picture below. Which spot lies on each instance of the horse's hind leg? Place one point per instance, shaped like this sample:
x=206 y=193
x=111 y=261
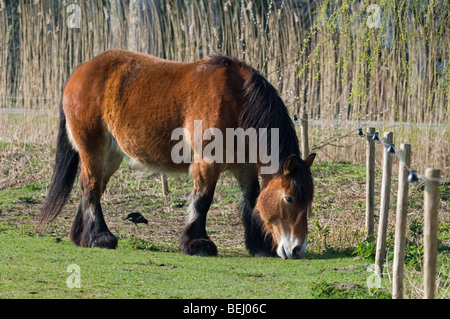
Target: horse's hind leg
x=89 y=228
x=257 y=243
x=195 y=241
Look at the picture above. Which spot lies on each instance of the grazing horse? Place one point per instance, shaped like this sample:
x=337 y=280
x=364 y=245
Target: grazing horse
x=125 y=104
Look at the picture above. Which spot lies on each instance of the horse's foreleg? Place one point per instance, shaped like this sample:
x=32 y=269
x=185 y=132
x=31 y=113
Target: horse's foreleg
x=257 y=242
x=194 y=240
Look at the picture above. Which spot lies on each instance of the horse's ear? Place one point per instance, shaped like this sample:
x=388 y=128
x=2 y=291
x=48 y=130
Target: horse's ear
x=289 y=164
x=310 y=159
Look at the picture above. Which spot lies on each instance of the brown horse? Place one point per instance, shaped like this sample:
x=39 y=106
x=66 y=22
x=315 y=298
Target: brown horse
x=124 y=104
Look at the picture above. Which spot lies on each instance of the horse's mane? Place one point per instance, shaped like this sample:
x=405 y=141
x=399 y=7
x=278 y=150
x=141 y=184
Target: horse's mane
x=264 y=108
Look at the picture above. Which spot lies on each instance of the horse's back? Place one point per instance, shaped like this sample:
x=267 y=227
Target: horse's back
x=140 y=100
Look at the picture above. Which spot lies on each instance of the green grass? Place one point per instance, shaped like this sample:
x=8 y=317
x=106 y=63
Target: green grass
x=9 y=197
x=36 y=267
x=148 y=264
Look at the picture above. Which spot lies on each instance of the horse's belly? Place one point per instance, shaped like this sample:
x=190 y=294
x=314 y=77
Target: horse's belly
x=180 y=169
x=153 y=156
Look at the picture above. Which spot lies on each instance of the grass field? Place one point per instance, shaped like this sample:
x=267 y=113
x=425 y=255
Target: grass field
x=147 y=263
x=36 y=267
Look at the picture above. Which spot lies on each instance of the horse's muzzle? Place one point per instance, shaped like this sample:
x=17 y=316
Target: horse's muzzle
x=291 y=249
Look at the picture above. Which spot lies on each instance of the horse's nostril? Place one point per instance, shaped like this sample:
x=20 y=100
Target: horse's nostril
x=296 y=251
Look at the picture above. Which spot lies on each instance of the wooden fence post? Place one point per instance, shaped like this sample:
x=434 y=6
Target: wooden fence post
x=304 y=132
x=370 y=181
x=430 y=227
x=384 y=205
x=165 y=186
x=400 y=224
x=305 y=145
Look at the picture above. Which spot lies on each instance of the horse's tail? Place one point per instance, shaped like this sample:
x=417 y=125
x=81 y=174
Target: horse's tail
x=64 y=174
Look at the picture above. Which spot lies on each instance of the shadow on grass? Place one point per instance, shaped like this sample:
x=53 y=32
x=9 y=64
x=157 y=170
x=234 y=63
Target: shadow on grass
x=328 y=254
x=331 y=254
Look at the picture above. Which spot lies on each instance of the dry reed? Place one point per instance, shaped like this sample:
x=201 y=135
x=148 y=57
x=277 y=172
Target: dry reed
x=325 y=57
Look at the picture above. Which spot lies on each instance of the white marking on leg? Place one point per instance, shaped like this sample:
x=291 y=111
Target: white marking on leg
x=90 y=213
x=192 y=213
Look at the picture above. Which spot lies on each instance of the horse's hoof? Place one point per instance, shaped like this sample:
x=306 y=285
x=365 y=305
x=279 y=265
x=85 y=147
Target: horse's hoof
x=199 y=247
x=103 y=239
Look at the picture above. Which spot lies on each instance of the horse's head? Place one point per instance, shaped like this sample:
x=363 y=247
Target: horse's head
x=283 y=203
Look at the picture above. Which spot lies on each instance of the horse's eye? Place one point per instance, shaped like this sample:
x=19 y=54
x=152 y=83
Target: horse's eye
x=288 y=199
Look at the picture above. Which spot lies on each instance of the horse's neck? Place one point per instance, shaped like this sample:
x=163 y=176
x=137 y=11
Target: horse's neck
x=266 y=178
